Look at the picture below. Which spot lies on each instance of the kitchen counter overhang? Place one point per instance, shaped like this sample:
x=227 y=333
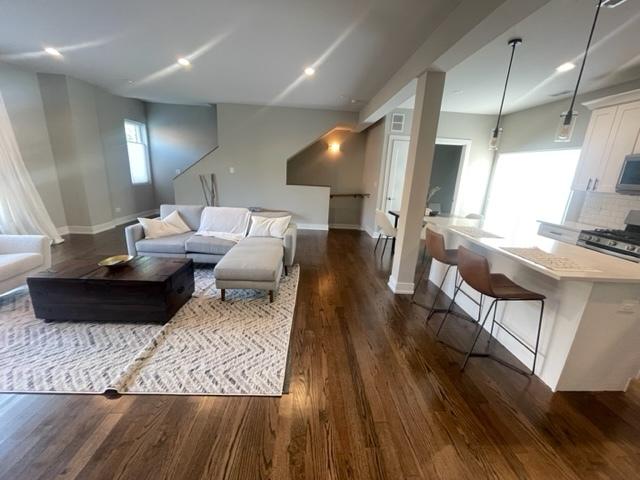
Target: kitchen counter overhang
x=591 y=328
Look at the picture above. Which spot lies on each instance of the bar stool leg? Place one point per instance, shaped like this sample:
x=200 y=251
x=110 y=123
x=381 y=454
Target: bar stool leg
x=480 y=327
x=535 y=353
x=420 y=278
x=435 y=300
x=455 y=294
x=493 y=323
x=384 y=247
x=377 y=242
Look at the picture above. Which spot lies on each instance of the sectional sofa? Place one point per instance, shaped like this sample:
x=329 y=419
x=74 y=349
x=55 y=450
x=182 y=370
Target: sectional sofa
x=200 y=249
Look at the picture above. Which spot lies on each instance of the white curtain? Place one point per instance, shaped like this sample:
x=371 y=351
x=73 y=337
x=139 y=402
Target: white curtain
x=22 y=211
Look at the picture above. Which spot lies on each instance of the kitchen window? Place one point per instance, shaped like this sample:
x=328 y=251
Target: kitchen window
x=527 y=187
x=138 y=152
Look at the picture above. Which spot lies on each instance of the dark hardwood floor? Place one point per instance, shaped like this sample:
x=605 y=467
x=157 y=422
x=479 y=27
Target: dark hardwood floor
x=372 y=395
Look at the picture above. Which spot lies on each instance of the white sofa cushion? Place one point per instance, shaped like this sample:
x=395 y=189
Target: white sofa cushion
x=269 y=226
x=14 y=264
x=172 y=224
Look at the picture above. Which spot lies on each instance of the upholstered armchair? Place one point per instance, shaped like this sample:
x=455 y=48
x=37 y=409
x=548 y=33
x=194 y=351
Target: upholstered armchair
x=20 y=256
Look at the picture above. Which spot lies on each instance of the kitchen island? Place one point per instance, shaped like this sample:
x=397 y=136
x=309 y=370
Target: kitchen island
x=590 y=337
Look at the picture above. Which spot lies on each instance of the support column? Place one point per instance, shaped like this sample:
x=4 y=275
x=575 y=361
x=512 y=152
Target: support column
x=424 y=130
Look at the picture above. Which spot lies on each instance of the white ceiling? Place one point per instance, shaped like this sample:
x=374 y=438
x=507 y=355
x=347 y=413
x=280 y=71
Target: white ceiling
x=245 y=51
x=555 y=34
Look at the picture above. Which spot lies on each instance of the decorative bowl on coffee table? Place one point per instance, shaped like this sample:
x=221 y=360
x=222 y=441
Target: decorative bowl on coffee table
x=116 y=261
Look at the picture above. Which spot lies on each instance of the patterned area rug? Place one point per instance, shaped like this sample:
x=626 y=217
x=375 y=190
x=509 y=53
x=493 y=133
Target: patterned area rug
x=238 y=347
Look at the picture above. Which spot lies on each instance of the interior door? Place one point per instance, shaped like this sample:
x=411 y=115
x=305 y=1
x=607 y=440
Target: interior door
x=622 y=142
x=594 y=148
x=398 y=152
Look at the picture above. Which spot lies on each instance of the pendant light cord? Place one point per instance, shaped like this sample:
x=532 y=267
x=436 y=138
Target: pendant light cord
x=514 y=43
x=569 y=115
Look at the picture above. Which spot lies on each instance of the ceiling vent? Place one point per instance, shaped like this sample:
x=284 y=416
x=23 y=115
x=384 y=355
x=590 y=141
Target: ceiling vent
x=612 y=3
x=397 y=122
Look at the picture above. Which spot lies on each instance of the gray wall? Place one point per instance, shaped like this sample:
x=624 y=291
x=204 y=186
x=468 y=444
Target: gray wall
x=256 y=142
x=371 y=174
x=88 y=150
x=476 y=171
x=86 y=130
x=341 y=172
x=126 y=198
x=535 y=128
x=21 y=94
x=179 y=135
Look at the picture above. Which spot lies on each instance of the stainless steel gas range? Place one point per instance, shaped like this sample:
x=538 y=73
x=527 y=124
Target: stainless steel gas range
x=619 y=243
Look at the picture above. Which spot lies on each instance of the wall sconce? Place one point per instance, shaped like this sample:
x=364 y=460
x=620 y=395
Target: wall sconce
x=334 y=147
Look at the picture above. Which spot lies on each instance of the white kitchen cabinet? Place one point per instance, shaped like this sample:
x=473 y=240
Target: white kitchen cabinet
x=594 y=148
x=612 y=134
x=558 y=232
x=622 y=142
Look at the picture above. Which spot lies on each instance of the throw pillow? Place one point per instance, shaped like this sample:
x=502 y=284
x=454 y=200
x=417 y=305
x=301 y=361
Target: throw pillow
x=172 y=224
x=268 y=226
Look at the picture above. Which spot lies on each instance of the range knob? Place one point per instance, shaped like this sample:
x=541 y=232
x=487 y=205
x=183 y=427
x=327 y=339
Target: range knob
x=612 y=243
x=595 y=239
x=630 y=248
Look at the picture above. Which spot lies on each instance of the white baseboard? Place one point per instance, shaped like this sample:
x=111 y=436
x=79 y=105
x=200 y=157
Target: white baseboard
x=345 y=226
x=371 y=233
x=401 y=287
x=313 y=226
x=103 y=227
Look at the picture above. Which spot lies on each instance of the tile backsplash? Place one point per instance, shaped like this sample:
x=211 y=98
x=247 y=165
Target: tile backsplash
x=607 y=209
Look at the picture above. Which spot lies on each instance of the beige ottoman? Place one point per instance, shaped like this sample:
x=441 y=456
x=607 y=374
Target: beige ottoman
x=254 y=262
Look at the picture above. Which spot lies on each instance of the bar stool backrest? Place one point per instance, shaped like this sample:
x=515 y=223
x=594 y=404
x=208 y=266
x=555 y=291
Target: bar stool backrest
x=435 y=246
x=384 y=224
x=474 y=270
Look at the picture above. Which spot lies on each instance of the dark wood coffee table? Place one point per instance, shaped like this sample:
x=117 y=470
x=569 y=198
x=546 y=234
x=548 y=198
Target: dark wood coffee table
x=148 y=289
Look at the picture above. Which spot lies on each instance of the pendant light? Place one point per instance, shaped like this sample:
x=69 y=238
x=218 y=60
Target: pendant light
x=568 y=118
x=497 y=132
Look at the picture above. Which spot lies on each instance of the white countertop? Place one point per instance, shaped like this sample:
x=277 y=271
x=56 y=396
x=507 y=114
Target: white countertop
x=573 y=226
x=609 y=268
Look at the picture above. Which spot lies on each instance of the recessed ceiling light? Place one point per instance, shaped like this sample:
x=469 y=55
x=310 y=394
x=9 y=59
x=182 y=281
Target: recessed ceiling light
x=565 y=67
x=184 y=62
x=53 y=52
x=309 y=71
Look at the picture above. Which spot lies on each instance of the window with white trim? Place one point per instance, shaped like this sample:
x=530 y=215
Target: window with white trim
x=138 y=151
x=527 y=187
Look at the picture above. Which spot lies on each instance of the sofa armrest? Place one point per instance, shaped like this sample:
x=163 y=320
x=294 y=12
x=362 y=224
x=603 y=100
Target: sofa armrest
x=289 y=240
x=132 y=234
x=27 y=244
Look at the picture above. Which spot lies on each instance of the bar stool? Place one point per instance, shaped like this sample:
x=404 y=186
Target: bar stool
x=474 y=270
x=434 y=243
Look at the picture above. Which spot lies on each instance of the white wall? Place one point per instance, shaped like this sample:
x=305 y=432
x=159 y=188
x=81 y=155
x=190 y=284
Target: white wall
x=256 y=142
x=21 y=94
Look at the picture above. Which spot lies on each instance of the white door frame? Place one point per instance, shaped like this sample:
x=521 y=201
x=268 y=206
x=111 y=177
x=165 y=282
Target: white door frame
x=464 y=160
x=382 y=203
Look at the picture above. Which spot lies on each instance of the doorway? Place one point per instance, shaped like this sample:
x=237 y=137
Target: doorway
x=444 y=178
x=397 y=161
x=450 y=156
